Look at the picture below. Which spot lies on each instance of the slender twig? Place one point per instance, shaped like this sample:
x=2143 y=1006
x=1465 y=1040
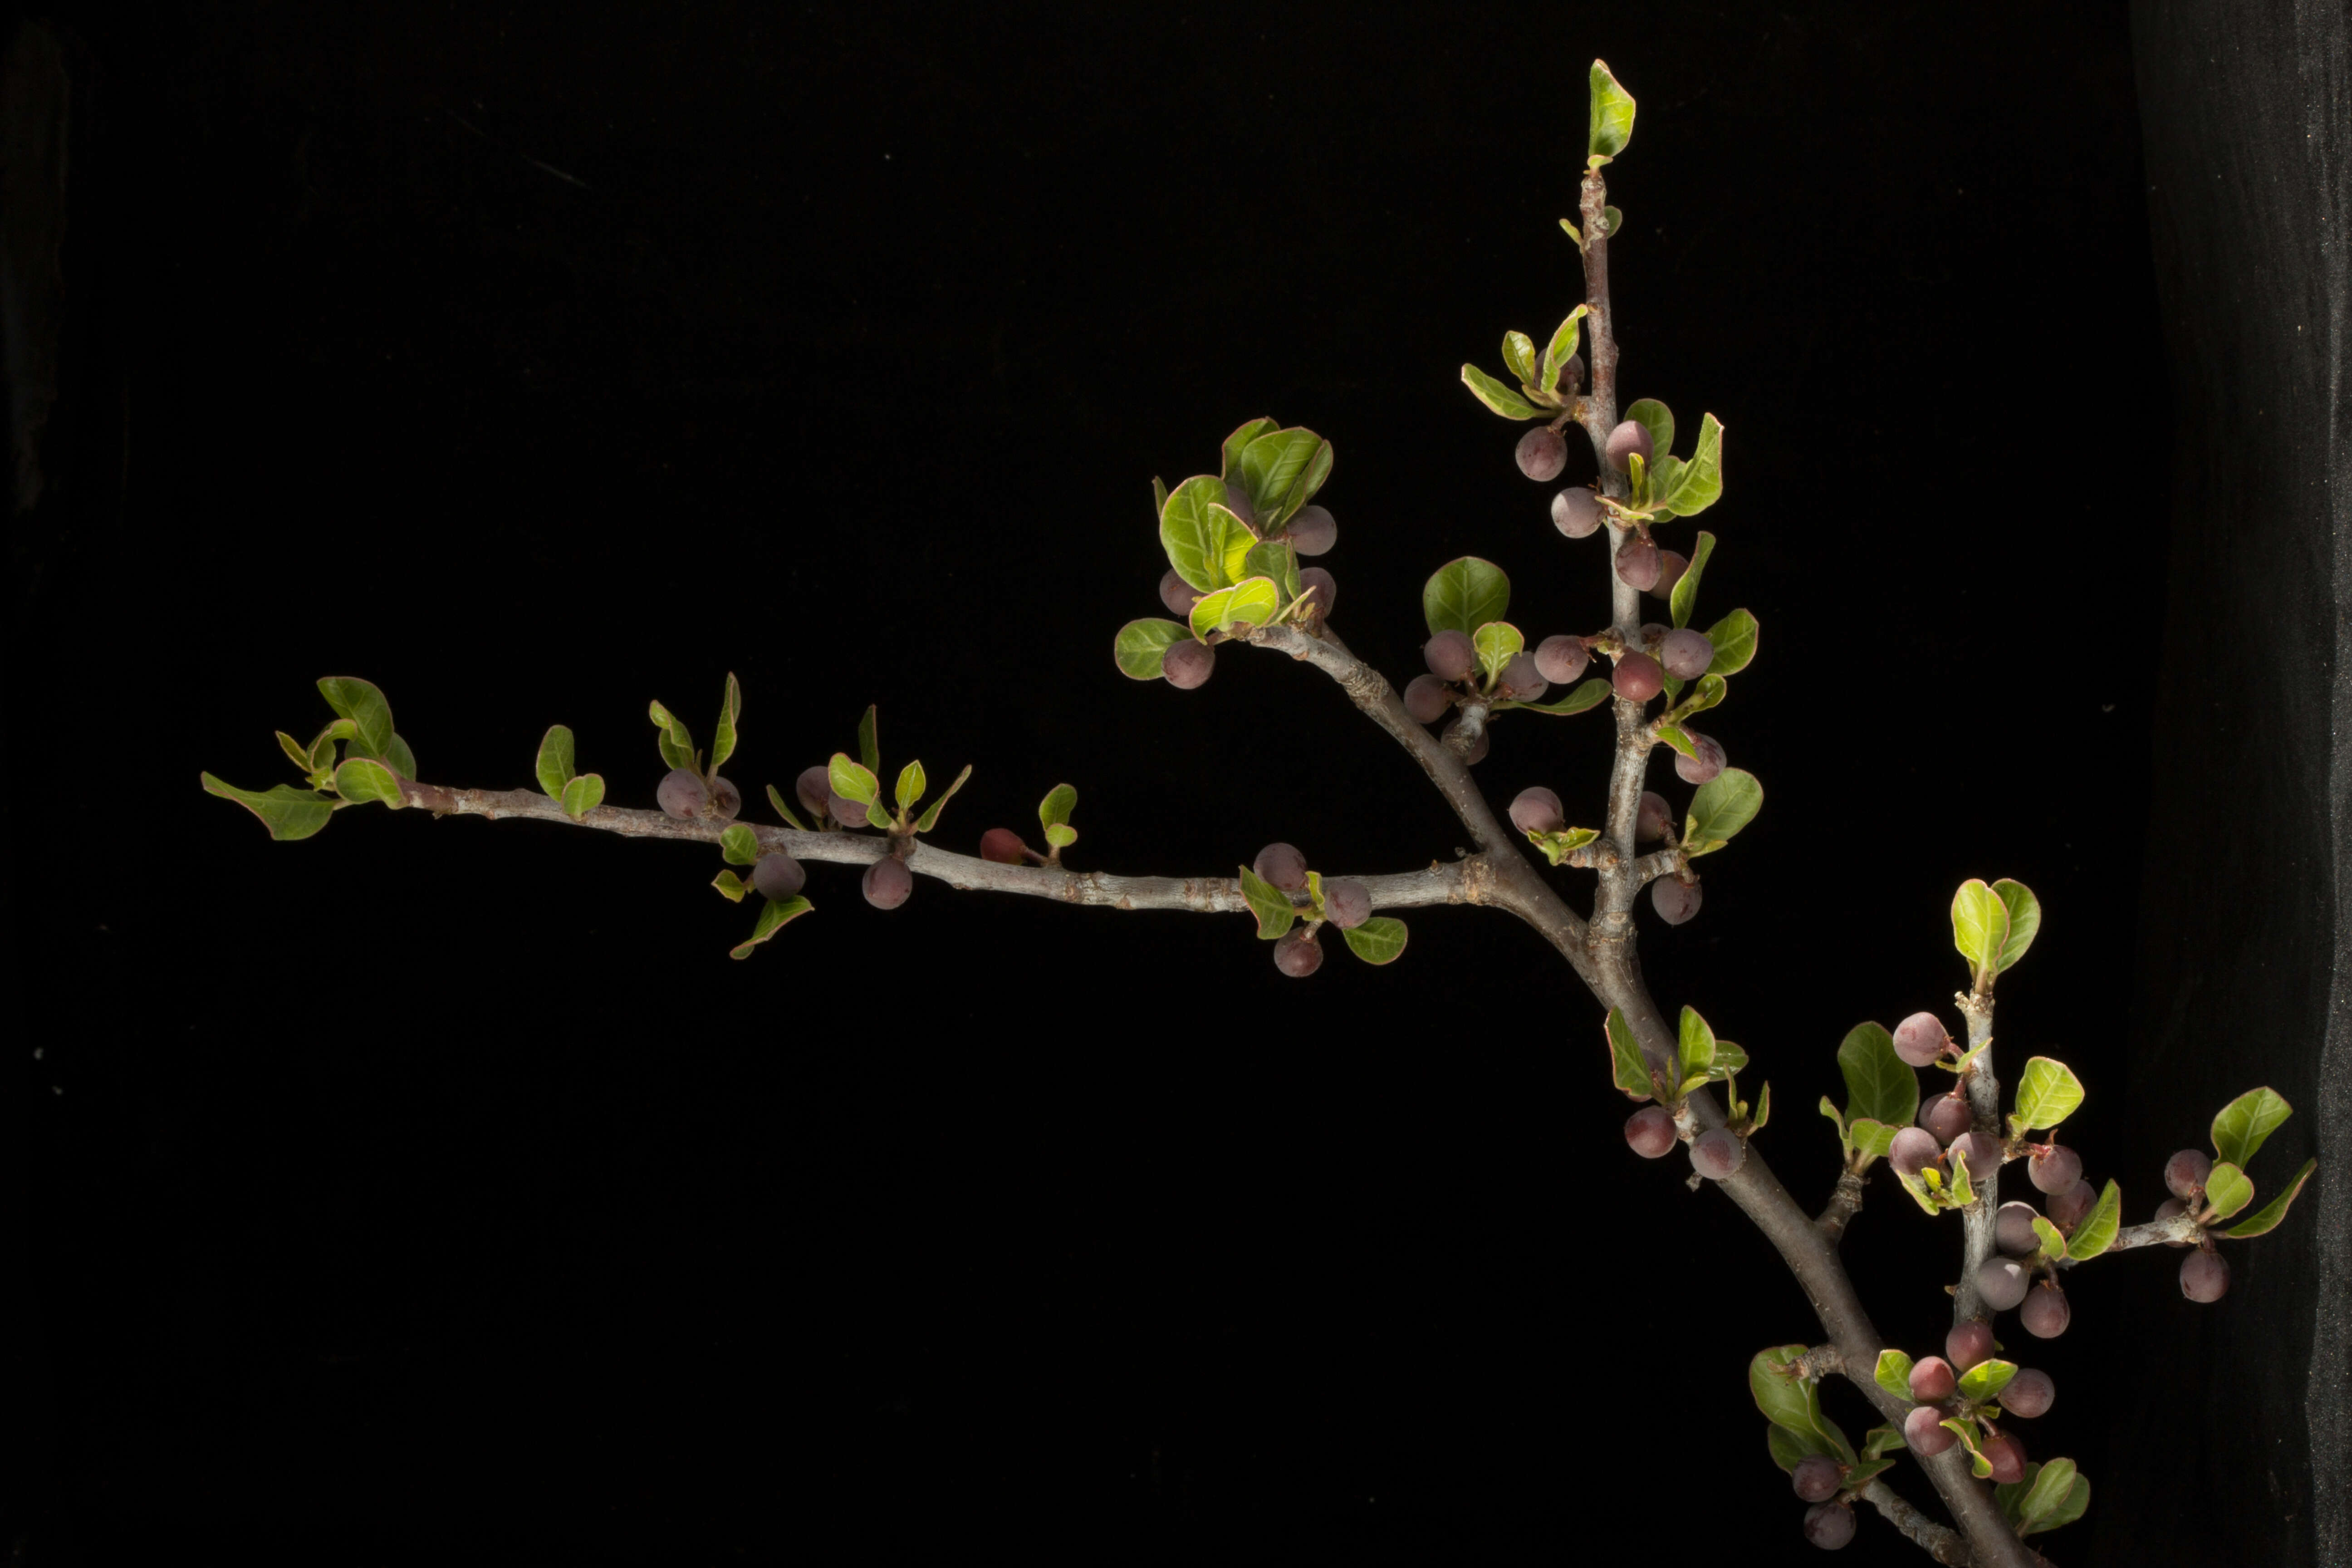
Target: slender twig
x=1939 y=1541
x=2179 y=1228
x=1844 y=1204
x=1977 y=1221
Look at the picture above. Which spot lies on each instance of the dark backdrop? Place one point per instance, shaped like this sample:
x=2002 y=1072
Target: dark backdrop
x=438 y=1188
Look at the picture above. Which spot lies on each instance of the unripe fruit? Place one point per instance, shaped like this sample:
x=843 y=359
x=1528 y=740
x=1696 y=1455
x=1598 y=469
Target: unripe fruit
x=2070 y=1207
x=1571 y=374
x=1914 y=1149
x=681 y=794
x=1639 y=676
x=1817 y=1478
x=1674 y=902
x=1945 y=1115
x=2029 y=1393
x=778 y=875
x=1933 y=1380
x=1426 y=698
x=2185 y=1173
x=1685 y=653
x=1187 y=664
x=726 y=800
x=2170 y=1208
x=1969 y=1345
x=1576 y=511
x=1543 y=453
x=1003 y=846
x=2002 y=1282
x=1537 y=810
x=1637 y=562
x=1346 y=903
x=1651 y=1131
x=1707 y=766
x=1982 y=1150
x=1450 y=655
x=1522 y=681
x=814 y=788
x=2013 y=1230
x=1237 y=502
x=1829 y=1525
x=1478 y=752
x=1924 y=1434
x=2045 y=1314
x=2007 y=1456
x=1283 y=866
x=2054 y=1168
x=1179 y=596
x=1327 y=591
x=847 y=812
x=1297 y=955
x=1718 y=1154
x=1919 y=1039
x=1630 y=437
x=1312 y=530
x=2204 y=1276
x=887 y=882
x=1671 y=565
x=1653 y=818
x=1562 y=659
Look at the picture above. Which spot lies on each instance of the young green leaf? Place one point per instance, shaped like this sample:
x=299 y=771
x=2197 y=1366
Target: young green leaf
x=1893 y=1373
x=1251 y=603
x=1627 y=1069
x=1881 y=1440
x=555 y=761
x=1269 y=903
x=730 y=713
x=676 y=741
x=1143 y=645
x=2271 y=1212
x=772 y=920
x=786 y=811
x=1658 y=420
x=1519 y=355
x=2046 y=1491
x=1965 y=1431
x=1564 y=343
x=296 y=752
x=1722 y=805
x=1497 y=396
x=363 y=705
x=1872 y=1137
x=1499 y=643
x=1979 y=925
x=288 y=813
x=1986 y=1379
x=1788 y=1448
x=1238 y=442
x=2047 y=1093
x=1591 y=694
x=400 y=759
x=2024 y=920
x=738 y=844
x=2246 y=1122
x=1696 y=1045
x=1055 y=809
x=1276 y=561
x=869 y=740
x=1159 y=496
x=1377 y=941
x=2096 y=1231
x=1560 y=844
x=583 y=794
x=1792 y=1401
x=731 y=886
x=360 y=780
x=1697 y=481
x=1686 y=593
x=875 y=816
x=1612 y=117
x=1464 y=595
x=1672 y=734
x=852 y=782
x=2066 y=1511
x=1205 y=540
x=2054 y=1245
x=930 y=816
x=1878 y=1083
x=1282 y=469
x=2227 y=1189
x=909 y=788
x=1734 y=637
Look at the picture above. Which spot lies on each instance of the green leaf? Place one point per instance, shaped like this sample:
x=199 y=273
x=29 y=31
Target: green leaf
x=2246 y=1122
x=1965 y=1431
x=930 y=816
x=1789 y=1449
x=583 y=794
x=730 y=711
x=1658 y=420
x=1986 y=1379
x=360 y=780
x=877 y=817
x=773 y=918
x=554 y=766
x=738 y=844
x=2054 y=1245
x=1979 y=925
x=1722 y=805
x=676 y=741
x=2024 y=920
x=2047 y=1090
x=296 y=752
x=1878 y=1084
x=731 y=886
x=400 y=759
x=2096 y=1231
x=288 y=813
x=1628 y=1070
x=1734 y=637
x=852 y=782
x=1793 y=1402
x=1143 y=646
x=1872 y=1136
x=2076 y=1503
x=1059 y=802
x=1282 y=471
x=2227 y=1189
x=1499 y=643
x=1697 y=482
x=1564 y=343
x=786 y=811
x=1464 y=595
x=363 y=705
x=910 y=786
x=1696 y=1045
x=869 y=740
x=2273 y=1211
x=1672 y=734
x=1960 y=1192
x=1590 y=694
x=1686 y=593
x=1560 y=844
x=1205 y=540
x=1712 y=690
x=321 y=759
x=1060 y=837
x=1277 y=562
x=1519 y=355
x=1572 y=233
x=1498 y=396
x=1377 y=941
x=1881 y=1440
x=1893 y=1373
x=1612 y=117
x=1235 y=444
x=1269 y=903
x=1251 y=603
x=2047 y=1490
x=1160 y=494
x=1611 y=220
x=1728 y=1059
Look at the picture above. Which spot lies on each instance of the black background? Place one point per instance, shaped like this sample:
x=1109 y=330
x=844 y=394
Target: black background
x=443 y=1187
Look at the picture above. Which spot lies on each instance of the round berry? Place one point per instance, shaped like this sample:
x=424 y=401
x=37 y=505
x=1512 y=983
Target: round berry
x=778 y=875
x=1945 y=1115
x=1312 y=530
x=1543 y=453
x=1671 y=565
x=1003 y=846
x=1346 y=903
x=2013 y=1232
x=2204 y=1276
x=1933 y=1380
x=1639 y=676
x=2045 y=1314
x=682 y=793
x=2185 y=1173
x=1450 y=655
x=1924 y=1434
x=1913 y=1151
x=1637 y=563
x=1651 y=1131
x=1718 y=1154
x=1630 y=437
x=1537 y=810
x=2002 y=1282
x=1562 y=659
x=1326 y=590
x=1817 y=1478
x=2029 y=1393
x=2007 y=1456
x=1674 y=901
x=2054 y=1168
x=1919 y=1039
x=1655 y=819
x=1829 y=1525
x=1426 y=698
x=2070 y=1207
x=1297 y=955
x=1704 y=767
x=1283 y=866
x=1685 y=654
x=1576 y=511
x=1968 y=1343
x=887 y=882
x=1179 y=596
x=1186 y=665
x=814 y=789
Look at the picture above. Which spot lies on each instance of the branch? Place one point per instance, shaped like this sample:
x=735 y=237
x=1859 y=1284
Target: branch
x=1939 y=1541
x=1458 y=883
x=2181 y=1230
x=1977 y=1220
x=1844 y=1204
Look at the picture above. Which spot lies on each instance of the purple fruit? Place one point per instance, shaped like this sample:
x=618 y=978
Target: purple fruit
x=1829 y=1525
x=1576 y=511
x=726 y=800
x=2013 y=1230
x=1537 y=810
x=1914 y=1149
x=1674 y=902
x=1283 y=866
x=1817 y=1478
x=1933 y=1380
x=1543 y=453
x=1655 y=819
x=1639 y=676
x=2029 y=1393
x=1637 y=563
x=1945 y=1115
x=1521 y=681
x=814 y=788
x=1571 y=374
x=1924 y=1433
x=1426 y=698
x=1968 y=1343
x=1450 y=655
x=1630 y=437
x=1312 y=530
x=2002 y=1282
x=1327 y=591
x=2185 y=1173
x=1717 y=1154
x=1685 y=653
x=2054 y=1168
x=1919 y=1039
x=887 y=882
x=1981 y=1150
x=1002 y=845
x=1237 y=502
x=681 y=794
x=778 y=875
x=2045 y=1314
x=1671 y=567
x=2007 y=1456
x=1704 y=767
x=2204 y=1276
x=1562 y=659
x=1297 y=955
x=2069 y=1209
x=1179 y=596
x=1651 y=1131
x=847 y=812
x=1346 y=903
x=1186 y=665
